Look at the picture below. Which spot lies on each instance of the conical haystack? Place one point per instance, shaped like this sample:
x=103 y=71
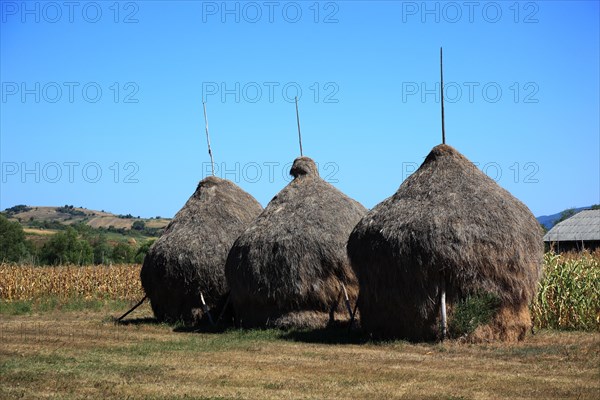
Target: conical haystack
x=189 y=258
x=448 y=225
x=287 y=268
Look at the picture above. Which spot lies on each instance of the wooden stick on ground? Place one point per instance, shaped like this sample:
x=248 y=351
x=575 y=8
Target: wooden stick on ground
x=133 y=308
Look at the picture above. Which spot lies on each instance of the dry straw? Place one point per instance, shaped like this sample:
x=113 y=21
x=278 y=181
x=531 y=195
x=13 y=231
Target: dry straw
x=65 y=282
x=447 y=225
x=189 y=258
x=287 y=268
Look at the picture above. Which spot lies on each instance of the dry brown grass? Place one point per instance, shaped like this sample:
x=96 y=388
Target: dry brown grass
x=41 y=232
x=26 y=282
x=83 y=355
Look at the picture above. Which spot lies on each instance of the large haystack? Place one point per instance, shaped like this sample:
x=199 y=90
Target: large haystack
x=448 y=224
x=189 y=258
x=287 y=268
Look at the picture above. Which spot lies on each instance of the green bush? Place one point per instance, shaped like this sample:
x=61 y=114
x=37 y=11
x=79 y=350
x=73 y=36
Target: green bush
x=142 y=251
x=471 y=312
x=122 y=253
x=66 y=248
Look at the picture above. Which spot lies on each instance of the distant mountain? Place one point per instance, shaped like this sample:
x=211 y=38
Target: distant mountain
x=549 y=220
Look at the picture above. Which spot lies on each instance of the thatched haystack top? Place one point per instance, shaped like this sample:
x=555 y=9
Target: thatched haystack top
x=215 y=198
x=451 y=215
x=444 y=150
x=311 y=203
x=289 y=264
x=304 y=166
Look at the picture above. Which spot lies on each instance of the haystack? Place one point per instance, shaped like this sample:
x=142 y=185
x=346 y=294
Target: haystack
x=448 y=225
x=189 y=258
x=287 y=268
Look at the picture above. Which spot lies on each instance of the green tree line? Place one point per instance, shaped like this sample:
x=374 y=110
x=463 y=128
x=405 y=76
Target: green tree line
x=80 y=245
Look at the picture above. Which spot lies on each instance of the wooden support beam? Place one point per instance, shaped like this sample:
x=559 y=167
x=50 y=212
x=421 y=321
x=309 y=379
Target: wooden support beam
x=443 y=310
x=131 y=310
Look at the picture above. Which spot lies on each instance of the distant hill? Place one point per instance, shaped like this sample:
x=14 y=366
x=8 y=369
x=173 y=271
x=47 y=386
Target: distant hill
x=549 y=220
x=71 y=215
x=40 y=222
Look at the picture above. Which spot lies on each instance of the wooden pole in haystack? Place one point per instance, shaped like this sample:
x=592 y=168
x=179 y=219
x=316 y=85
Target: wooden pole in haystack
x=347 y=301
x=443 y=310
x=442 y=97
x=298 y=121
x=224 y=308
x=353 y=315
x=212 y=162
x=206 y=310
x=443 y=285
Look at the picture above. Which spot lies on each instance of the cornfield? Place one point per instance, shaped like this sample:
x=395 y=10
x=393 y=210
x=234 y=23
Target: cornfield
x=114 y=282
x=568 y=296
x=569 y=293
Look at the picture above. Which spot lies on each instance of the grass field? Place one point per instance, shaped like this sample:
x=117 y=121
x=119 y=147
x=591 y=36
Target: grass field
x=83 y=354
x=58 y=341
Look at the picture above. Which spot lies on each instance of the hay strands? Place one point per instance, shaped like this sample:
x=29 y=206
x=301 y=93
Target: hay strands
x=334 y=307
x=131 y=310
x=206 y=310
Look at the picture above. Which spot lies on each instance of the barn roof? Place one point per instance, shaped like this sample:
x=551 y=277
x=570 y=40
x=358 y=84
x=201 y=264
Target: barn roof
x=585 y=225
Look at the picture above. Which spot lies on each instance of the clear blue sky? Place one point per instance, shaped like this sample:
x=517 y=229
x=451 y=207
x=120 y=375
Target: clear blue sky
x=522 y=89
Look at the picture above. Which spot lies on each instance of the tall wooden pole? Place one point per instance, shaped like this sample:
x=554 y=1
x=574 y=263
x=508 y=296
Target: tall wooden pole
x=298 y=121
x=442 y=97
x=212 y=162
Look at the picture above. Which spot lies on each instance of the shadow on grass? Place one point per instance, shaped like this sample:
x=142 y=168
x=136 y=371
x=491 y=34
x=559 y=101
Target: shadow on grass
x=333 y=334
x=329 y=335
x=137 y=321
x=337 y=333
x=201 y=328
